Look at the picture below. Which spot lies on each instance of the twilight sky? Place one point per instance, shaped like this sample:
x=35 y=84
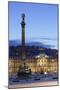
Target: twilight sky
x=41 y=22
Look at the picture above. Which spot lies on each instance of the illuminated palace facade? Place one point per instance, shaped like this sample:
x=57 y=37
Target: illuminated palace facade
x=39 y=64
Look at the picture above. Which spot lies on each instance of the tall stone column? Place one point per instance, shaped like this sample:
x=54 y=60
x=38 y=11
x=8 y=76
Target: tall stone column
x=23 y=36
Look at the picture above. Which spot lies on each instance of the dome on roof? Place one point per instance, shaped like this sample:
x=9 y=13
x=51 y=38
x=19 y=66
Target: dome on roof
x=42 y=55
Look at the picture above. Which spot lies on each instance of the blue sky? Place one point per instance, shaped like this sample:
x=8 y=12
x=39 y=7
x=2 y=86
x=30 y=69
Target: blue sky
x=41 y=22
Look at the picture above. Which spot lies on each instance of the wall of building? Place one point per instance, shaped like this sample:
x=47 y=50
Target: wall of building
x=36 y=65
